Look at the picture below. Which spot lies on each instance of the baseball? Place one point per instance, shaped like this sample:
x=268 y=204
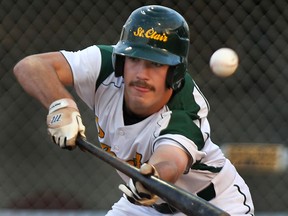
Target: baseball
x=224 y=62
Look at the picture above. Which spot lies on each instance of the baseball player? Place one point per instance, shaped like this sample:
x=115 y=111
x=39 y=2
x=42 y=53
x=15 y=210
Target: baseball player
x=148 y=110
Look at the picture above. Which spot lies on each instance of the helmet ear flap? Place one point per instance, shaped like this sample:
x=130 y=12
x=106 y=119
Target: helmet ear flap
x=119 y=62
x=175 y=76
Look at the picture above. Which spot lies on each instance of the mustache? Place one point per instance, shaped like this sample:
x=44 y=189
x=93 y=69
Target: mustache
x=142 y=84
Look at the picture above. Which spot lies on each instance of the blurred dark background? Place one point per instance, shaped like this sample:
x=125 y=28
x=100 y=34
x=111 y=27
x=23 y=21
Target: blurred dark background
x=248 y=107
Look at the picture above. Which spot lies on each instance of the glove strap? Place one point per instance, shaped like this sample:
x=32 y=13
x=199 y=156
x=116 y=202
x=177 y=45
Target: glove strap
x=62 y=103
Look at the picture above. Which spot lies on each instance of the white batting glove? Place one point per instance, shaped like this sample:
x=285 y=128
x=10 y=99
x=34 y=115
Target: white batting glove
x=136 y=193
x=65 y=123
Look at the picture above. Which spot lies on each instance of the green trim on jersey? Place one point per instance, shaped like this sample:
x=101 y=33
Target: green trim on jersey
x=200 y=166
x=184 y=112
x=106 y=65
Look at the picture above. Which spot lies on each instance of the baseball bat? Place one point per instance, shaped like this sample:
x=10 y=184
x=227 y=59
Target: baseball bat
x=180 y=199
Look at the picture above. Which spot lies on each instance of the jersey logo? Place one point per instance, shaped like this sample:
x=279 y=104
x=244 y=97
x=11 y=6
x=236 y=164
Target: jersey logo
x=107 y=149
x=136 y=161
x=101 y=133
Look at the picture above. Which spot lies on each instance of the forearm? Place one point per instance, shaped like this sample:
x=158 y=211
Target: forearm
x=40 y=80
x=168 y=171
x=170 y=162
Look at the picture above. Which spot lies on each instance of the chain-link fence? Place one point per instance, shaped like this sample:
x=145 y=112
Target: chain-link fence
x=249 y=107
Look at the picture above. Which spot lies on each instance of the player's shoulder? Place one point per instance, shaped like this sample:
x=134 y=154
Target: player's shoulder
x=183 y=97
x=187 y=105
x=107 y=67
x=189 y=99
x=106 y=49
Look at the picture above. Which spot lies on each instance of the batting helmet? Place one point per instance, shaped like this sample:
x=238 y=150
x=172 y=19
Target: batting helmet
x=158 y=34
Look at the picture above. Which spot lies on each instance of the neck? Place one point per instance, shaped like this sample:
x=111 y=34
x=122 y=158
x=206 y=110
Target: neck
x=130 y=117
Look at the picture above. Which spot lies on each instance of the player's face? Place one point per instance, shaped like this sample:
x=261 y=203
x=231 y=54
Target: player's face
x=145 y=87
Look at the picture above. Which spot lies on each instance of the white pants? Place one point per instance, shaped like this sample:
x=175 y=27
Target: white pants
x=234 y=198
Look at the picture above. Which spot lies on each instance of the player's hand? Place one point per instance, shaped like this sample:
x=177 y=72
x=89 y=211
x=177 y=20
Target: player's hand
x=136 y=193
x=65 y=123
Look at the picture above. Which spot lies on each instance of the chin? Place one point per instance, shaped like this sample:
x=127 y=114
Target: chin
x=139 y=106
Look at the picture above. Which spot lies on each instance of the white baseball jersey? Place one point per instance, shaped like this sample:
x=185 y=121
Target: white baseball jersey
x=182 y=122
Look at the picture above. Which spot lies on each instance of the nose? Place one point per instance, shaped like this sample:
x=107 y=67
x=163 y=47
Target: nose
x=142 y=70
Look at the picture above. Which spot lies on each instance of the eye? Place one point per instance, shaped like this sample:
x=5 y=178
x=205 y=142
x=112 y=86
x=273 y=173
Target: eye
x=157 y=64
x=133 y=59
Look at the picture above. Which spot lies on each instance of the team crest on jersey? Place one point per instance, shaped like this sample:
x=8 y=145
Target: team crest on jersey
x=101 y=133
x=136 y=161
x=150 y=34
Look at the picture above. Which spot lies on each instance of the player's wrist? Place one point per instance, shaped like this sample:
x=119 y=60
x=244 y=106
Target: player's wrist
x=62 y=103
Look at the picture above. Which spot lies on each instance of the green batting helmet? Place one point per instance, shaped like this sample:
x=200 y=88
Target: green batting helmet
x=158 y=34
